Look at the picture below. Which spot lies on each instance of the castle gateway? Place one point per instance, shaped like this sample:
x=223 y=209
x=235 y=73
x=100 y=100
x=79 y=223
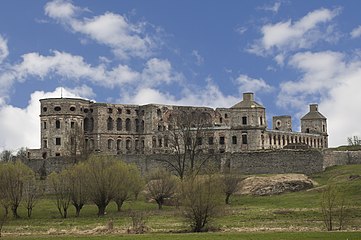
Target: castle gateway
x=72 y=126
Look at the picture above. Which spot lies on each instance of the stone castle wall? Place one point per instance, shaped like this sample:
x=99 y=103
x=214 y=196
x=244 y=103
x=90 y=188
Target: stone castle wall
x=252 y=162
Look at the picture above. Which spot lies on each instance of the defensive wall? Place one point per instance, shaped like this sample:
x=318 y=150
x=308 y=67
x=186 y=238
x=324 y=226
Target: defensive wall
x=252 y=162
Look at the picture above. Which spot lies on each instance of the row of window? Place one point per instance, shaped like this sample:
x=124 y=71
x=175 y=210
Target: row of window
x=58 y=124
x=139 y=125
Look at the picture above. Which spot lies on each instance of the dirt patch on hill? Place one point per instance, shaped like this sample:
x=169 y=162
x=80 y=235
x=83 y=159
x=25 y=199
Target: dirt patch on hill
x=276 y=184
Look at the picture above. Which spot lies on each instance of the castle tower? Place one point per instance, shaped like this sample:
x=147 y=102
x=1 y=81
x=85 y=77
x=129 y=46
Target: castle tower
x=315 y=123
x=282 y=123
x=62 y=126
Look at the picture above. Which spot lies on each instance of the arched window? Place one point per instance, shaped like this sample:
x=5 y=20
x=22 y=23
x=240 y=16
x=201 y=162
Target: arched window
x=136 y=125
x=128 y=144
x=119 y=124
x=57 y=124
x=142 y=126
x=119 y=144
x=86 y=124
x=128 y=124
x=91 y=127
x=110 y=144
x=110 y=124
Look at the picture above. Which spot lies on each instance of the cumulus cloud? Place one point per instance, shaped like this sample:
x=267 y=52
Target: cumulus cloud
x=75 y=68
x=302 y=34
x=210 y=95
x=4 y=52
x=356 y=32
x=248 y=84
x=21 y=126
x=126 y=39
x=331 y=79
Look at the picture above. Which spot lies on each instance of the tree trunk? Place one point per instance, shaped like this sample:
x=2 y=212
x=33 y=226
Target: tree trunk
x=227 y=198
x=14 y=209
x=119 y=204
x=78 y=207
x=101 y=210
x=65 y=213
x=29 y=212
x=160 y=202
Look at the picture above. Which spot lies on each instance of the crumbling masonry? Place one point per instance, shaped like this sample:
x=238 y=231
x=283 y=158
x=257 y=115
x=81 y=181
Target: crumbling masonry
x=70 y=126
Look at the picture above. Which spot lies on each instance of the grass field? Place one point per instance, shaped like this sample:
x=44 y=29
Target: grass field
x=248 y=217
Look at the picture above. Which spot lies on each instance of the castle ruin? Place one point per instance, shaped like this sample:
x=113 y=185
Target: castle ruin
x=70 y=126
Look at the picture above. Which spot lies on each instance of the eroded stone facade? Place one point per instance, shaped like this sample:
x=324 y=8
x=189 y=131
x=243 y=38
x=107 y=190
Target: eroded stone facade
x=69 y=126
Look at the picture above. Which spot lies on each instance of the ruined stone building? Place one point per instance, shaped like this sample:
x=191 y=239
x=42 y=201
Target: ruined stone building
x=70 y=126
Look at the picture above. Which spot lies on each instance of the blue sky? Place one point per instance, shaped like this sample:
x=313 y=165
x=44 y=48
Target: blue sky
x=206 y=53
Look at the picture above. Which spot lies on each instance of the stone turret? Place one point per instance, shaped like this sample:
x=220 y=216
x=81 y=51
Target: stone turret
x=315 y=123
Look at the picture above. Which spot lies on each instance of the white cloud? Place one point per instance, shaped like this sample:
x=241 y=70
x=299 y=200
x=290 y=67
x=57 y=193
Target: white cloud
x=356 y=32
x=248 y=84
x=20 y=127
x=74 y=68
x=210 y=96
x=332 y=80
x=303 y=34
x=4 y=51
x=84 y=91
x=199 y=59
x=113 y=30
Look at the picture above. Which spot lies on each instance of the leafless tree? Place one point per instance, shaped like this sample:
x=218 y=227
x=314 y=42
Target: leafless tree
x=33 y=190
x=353 y=141
x=61 y=186
x=161 y=185
x=201 y=200
x=186 y=132
x=13 y=178
x=333 y=208
x=6 y=156
x=230 y=185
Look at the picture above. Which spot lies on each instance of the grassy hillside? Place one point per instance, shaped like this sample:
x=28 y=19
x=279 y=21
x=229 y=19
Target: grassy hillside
x=282 y=213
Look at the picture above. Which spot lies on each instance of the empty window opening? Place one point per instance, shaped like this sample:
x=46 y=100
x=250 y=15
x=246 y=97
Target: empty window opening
x=57 y=109
x=110 y=110
x=110 y=144
x=110 y=124
x=136 y=125
x=221 y=140
x=244 y=120
x=72 y=108
x=44 y=125
x=128 y=144
x=199 y=141
x=260 y=120
x=57 y=124
x=128 y=111
x=128 y=124
x=72 y=124
x=210 y=140
x=226 y=115
x=57 y=154
x=244 y=139
x=119 y=144
x=307 y=130
x=44 y=155
x=119 y=124
x=234 y=139
x=220 y=120
x=86 y=110
x=119 y=110
x=58 y=141
x=45 y=143
x=45 y=109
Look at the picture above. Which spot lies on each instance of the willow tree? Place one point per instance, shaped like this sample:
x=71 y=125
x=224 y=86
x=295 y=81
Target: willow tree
x=101 y=183
x=60 y=183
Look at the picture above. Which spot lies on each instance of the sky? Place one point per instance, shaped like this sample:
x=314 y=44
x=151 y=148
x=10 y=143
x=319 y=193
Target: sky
x=202 y=53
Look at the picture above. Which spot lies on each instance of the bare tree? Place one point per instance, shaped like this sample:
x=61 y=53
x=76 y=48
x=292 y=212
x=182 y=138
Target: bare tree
x=13 y=178
x=230 y=185
x=186 y=132
x=354 y=141
x=33 y=190
x=61 y=186
x=333 y=208
x=201 y=200
x=161 y=185
x=78 y=192
x=3 y=218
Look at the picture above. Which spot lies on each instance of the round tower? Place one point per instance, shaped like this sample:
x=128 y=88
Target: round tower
x=62 y=131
